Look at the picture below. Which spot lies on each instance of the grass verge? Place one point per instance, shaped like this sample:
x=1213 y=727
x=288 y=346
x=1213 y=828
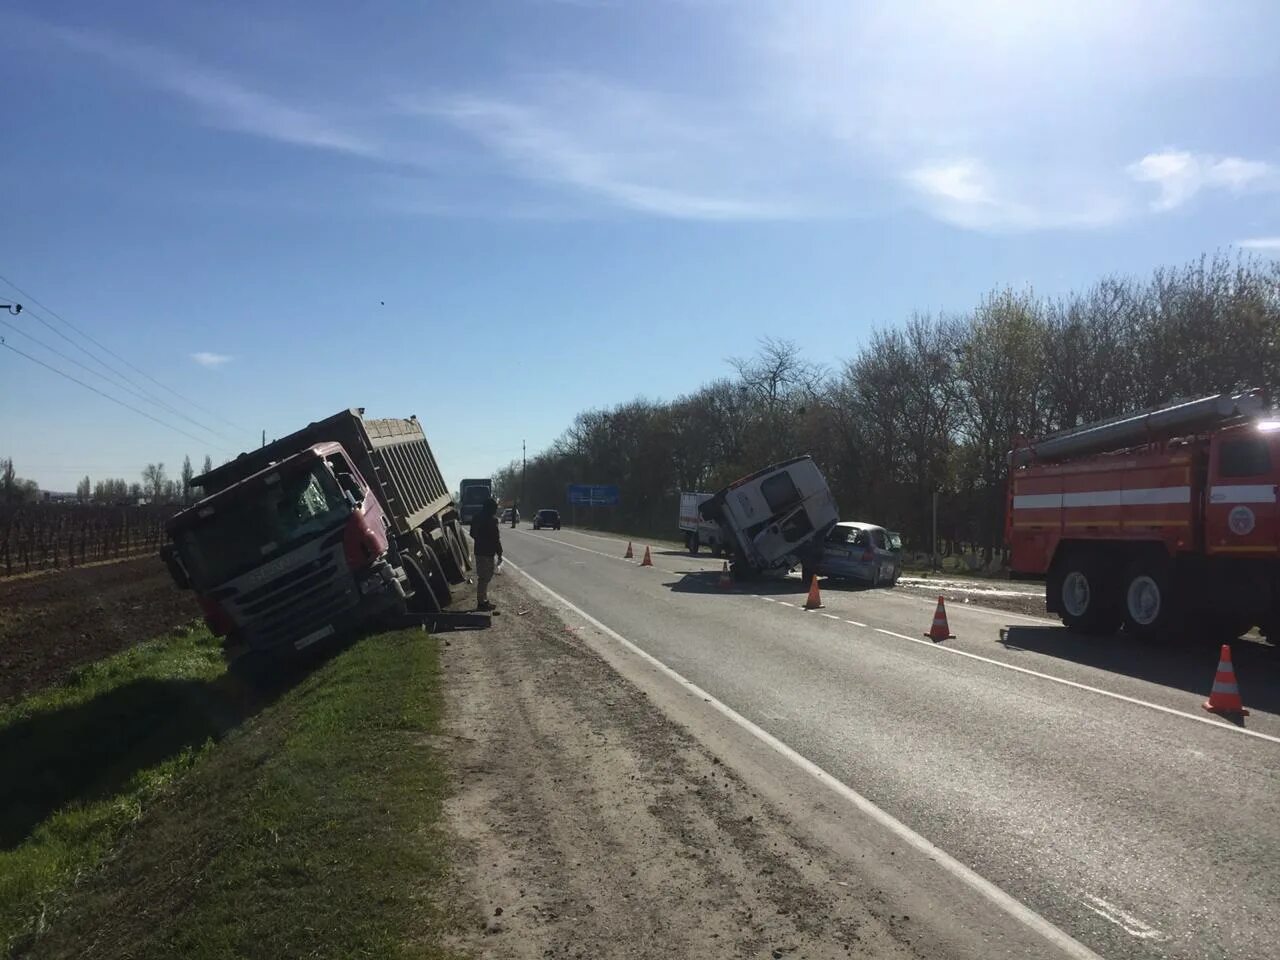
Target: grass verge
x=80 y=761
x=309 y=831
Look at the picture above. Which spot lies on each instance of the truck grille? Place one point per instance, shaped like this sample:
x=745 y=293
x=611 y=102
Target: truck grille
x=294 y=604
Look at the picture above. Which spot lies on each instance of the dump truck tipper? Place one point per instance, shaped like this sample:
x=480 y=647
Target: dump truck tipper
x=336 y=524
x=1160 y=520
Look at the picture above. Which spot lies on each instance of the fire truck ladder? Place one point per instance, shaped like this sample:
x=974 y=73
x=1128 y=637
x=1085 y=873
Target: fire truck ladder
x=1130 y=430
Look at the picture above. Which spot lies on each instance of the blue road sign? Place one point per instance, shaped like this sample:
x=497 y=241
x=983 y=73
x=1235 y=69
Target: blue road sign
x=593 y=495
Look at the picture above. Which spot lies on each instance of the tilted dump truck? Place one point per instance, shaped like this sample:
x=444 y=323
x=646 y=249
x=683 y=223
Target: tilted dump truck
x=1160 y=520
x=335 y=525
x=775 y=519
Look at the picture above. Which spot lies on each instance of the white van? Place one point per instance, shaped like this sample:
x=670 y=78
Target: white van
x=775 y=519
x=698 y=532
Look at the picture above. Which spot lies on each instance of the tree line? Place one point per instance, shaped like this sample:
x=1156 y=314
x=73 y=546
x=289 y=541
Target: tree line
x=931 y=404
x=155 y=486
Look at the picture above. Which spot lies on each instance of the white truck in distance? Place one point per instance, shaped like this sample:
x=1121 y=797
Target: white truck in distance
x=697 y=531
x=775 y=519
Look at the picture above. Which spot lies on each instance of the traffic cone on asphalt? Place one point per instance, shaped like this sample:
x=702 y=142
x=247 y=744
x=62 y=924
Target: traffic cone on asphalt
x=628 y=555
x=726 y=581
x=940 y=631
x=648 y=560
x=814 y=600
x=1225 y=696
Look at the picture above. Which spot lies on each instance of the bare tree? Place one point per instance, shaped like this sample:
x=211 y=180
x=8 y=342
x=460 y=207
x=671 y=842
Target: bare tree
x=84 y=490
x=187 y=474
x=153 y=481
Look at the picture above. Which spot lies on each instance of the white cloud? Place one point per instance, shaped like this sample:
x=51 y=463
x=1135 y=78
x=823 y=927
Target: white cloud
x=211 y=360
x=1260 y=243
x=226 y=102
x=1180 y=175
x=618 y=145
x=966 y=193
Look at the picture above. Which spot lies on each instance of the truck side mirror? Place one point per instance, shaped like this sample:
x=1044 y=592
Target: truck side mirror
x=176 y=570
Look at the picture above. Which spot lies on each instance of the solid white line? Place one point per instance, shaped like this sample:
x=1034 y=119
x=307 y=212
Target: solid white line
x=831 y=616
x=855 y=623
x=1216 y=724
x=1010 y=905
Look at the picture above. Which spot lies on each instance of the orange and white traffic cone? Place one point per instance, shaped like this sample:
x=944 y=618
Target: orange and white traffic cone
x=940 y=631
x=628 y=555
x=726 y=581
x=814 y=600
x=648 y=560
x=1225 y=696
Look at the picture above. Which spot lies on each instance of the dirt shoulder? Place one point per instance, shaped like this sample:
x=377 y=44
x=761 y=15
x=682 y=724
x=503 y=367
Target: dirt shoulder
x=51 y=623
x=591 y=825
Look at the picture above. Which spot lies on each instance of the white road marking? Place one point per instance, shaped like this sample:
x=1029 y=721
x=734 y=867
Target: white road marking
x=831 y=616
x=1125 y=921
x=1216 y=724
x=768 y=599
x=998 y=897
x=1210 y=720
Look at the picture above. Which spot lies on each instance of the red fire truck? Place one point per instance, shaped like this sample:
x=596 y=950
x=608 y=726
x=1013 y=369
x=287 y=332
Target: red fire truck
x=1157 y=520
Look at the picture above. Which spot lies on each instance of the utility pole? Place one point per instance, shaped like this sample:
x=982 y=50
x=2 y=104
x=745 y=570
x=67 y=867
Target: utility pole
x=264 y=437
x=933 y=546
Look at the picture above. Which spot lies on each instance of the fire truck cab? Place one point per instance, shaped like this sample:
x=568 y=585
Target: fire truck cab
x=1159 y=520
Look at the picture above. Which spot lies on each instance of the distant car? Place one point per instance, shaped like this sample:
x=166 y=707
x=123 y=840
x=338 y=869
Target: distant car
x=861 y=551
x=546 y=518
x=507 y=514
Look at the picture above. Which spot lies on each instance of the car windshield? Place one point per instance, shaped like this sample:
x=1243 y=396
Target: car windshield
x=267 y=520
x=895 y=541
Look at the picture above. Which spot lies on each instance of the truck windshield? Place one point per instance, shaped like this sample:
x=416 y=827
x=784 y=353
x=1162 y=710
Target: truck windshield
x=269 y=519
x=475 y=494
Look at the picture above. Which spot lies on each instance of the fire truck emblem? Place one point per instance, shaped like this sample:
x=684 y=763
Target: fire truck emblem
x=1240 y=520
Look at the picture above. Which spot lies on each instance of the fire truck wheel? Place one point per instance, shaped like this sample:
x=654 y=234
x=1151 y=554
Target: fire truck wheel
x=1083 y=597
x=1148 y=598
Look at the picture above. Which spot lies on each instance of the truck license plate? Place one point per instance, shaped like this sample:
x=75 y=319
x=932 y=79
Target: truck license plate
x=311 y=638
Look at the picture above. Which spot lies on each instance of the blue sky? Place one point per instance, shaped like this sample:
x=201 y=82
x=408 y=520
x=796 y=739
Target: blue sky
x=496 y=214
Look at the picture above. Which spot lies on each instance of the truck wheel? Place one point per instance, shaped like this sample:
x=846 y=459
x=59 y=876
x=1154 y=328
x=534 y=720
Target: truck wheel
x=435 y=575
x=424 y=598
x=1148 y=598
x=1085 y=602
x=451 y=562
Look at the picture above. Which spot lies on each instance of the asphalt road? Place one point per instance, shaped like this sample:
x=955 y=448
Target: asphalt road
x=1080 y=776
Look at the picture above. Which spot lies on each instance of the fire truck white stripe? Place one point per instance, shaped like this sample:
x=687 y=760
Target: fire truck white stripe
x=1243 y=493
x=1140 y=497
x=1037 y=501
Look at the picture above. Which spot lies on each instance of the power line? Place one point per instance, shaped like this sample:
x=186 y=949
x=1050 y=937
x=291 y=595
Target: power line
x=108 y=350
x=9 y=346
x=119 y=386
x=121 y=381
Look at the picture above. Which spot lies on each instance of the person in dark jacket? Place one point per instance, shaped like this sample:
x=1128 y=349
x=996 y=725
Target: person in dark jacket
x=488 y=545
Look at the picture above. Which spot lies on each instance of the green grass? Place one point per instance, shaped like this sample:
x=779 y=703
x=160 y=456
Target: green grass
x=308 y=831
x=81 y=761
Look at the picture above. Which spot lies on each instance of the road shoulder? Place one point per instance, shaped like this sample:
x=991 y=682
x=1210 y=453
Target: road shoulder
x=595 y=826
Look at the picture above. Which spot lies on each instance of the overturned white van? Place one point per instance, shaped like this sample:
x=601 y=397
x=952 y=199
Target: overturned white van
x=775 y=519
